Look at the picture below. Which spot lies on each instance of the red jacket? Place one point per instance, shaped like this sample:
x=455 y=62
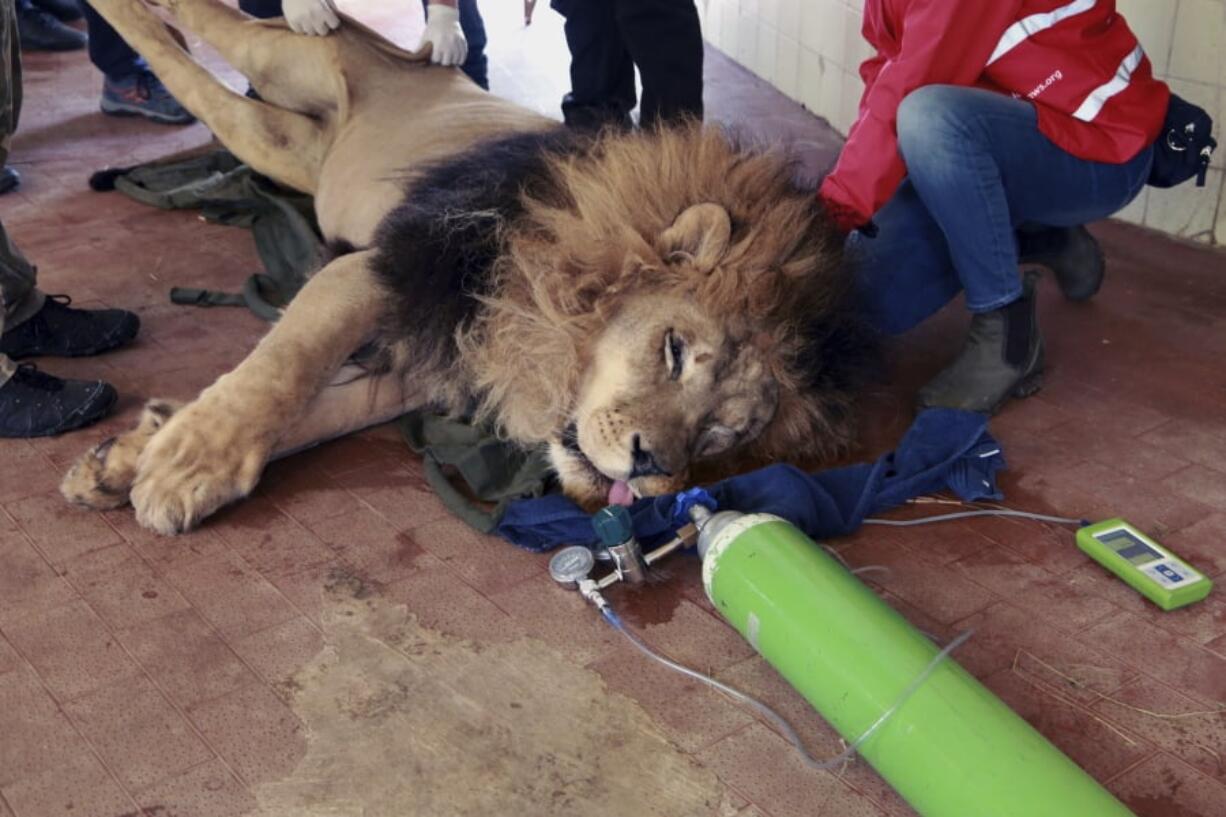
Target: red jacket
x=1077 y=60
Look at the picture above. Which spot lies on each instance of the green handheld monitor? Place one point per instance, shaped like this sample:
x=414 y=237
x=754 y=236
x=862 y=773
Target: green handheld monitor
x=1151 y=570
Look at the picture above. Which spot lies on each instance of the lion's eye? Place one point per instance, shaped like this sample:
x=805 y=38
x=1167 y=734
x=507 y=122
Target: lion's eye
x=674 y=354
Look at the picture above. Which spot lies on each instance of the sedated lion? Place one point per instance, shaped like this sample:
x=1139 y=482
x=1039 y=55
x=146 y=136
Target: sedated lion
x=636 y=302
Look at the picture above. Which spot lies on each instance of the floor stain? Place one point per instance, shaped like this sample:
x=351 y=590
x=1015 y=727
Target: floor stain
x=405 y=721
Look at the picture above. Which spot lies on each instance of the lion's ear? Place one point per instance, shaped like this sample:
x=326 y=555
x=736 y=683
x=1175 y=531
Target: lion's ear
x=701 y=234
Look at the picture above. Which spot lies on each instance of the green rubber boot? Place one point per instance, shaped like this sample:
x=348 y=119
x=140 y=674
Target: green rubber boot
x=1002 y=358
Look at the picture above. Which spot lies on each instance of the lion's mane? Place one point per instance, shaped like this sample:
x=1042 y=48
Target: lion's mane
x=535 y=241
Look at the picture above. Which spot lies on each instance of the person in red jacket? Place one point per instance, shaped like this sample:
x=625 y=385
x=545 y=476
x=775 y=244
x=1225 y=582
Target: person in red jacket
x=988 y=132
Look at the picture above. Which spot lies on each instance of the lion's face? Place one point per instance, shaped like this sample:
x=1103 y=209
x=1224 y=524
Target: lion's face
x=673 y=298
x=666 y=384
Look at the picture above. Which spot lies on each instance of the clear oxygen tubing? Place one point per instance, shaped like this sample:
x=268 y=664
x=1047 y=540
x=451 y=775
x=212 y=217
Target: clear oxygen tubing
x=774 y=717
x=949 y=517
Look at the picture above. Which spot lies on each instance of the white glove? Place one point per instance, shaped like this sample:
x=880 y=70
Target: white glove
x=310 y=16
x=444 y=34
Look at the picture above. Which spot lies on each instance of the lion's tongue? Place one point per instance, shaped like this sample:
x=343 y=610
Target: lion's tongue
x=620 y=493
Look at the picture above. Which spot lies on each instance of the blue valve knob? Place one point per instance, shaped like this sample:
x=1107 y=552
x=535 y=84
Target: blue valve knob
x=688 y=499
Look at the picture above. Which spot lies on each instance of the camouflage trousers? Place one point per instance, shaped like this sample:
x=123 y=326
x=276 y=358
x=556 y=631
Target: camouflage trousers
x=19 y=299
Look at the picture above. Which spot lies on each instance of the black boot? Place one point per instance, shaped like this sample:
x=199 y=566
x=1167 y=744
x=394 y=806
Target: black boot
x=61 y=331
x=1071 y=253
x=1002 y=358
x=66 y=11
x=40 y=31
x=34 y=404
x=9 y=179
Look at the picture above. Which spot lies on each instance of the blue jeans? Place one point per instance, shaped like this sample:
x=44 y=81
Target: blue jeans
x=109 y=52
x=978 y=169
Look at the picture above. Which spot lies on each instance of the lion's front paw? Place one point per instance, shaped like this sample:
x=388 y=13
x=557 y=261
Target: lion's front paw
x=203 y=459
x=103 y=476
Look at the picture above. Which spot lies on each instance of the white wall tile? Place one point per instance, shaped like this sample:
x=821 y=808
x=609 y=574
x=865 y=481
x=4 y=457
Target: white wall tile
x=1200 y=30
x=1153 y=21
x=832 y=96
x=1219 y=232
x=787 y=67
x=855 y=48
x=789 y=16
x=849 y=101
x=1187 y=210
x=768 y=13
x=746 y=42
x=713 y=24
x=729 y=29
x=767 y=55
x=809 y=81
x=821 y=29
x=1134 y=213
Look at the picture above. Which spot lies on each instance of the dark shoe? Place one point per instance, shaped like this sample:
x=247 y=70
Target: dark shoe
x=9 y=180
x=1002 y=358
x=34 y=404
x=61 y=331
x=66 y=11
x=1071 y=253
x=143 y=94
x=40 y=31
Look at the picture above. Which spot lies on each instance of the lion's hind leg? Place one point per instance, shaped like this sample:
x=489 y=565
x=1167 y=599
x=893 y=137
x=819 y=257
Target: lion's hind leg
x=102 y=478
x=289 y=70
x=285 y=145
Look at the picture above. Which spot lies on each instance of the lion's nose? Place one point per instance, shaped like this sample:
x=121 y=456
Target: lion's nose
x=643 y=462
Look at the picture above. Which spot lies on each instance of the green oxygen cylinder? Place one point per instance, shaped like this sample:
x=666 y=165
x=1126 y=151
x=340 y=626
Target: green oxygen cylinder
x=952 y=748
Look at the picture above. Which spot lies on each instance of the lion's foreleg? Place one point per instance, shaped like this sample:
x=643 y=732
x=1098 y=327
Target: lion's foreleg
x=213 y=451
x=352 y=403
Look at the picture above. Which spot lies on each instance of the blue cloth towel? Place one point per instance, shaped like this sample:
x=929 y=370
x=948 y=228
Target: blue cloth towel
x=944 y=449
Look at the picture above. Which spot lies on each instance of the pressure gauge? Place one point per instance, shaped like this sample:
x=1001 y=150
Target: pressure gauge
x=569 y=565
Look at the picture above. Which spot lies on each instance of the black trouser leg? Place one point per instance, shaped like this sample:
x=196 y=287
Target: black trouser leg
x=664 y=38
x=260 y=8
x=109 y=53
x=601 y=71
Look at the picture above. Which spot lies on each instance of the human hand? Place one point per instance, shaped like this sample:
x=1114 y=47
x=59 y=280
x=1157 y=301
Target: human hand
x=310 y=16
x=448 y=46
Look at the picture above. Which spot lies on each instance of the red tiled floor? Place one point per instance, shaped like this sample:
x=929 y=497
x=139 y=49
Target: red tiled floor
x=765 y=769
x=1165 y=787
x=121 y=588
x=61 y=532
x=1101 y=748
x=140 y=736
x=1175 y=723
x=690 y=714
x=37 y=735
x=27 y=583
x=208 y=790
x=231 y=595
x=185 y=658
x=172 y=658
x=253 y=731
x=71 y=648
x=80 y=787
x=1189 y=668
x=440 y=600
x=277 y=653
x=1007 y=638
